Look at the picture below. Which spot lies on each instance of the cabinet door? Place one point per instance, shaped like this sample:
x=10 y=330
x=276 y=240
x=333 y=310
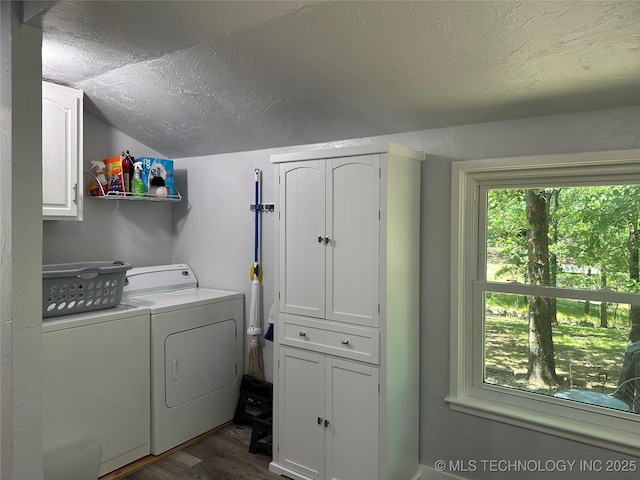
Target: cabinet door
x=302 y=233
x=301 y=412
x=61 y=152
x=353 y=226
x=352 y=406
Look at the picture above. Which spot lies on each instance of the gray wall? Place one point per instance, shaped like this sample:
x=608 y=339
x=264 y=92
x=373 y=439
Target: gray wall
x=21 y=240
x=6 y=342
x=132 y=231
x=445 y=434
x=212 y=230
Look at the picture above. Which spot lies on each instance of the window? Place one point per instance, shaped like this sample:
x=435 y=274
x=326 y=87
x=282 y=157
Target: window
x=546 y=293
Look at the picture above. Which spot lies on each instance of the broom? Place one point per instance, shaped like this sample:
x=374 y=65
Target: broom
x=256 y=367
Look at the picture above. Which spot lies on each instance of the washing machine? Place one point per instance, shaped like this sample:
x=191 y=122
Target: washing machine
x=196 y=351
x=95 y=391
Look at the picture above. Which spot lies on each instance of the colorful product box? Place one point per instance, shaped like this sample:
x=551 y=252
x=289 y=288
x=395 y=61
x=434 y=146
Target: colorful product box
x=156 y=173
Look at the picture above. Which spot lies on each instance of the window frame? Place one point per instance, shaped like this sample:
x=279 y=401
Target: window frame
x=468 y=393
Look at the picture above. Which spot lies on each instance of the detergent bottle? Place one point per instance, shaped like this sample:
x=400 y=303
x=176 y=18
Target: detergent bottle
x=98 y=185
x=137 y=185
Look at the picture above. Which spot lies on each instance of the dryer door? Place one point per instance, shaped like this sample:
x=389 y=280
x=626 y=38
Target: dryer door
x=199 y=361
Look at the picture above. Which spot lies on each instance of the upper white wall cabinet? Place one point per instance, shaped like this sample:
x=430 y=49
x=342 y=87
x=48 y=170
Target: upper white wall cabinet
x=347 y=291
x=62 y=145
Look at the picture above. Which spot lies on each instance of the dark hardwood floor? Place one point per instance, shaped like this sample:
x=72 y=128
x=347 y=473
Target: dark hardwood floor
x=221 y=455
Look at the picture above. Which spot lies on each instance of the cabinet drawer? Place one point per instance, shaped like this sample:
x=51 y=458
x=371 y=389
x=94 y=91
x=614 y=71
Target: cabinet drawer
x=329 y=337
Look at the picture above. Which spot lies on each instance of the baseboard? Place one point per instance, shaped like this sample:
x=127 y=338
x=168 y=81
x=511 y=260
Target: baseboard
x=280 y=470
x=421 y=475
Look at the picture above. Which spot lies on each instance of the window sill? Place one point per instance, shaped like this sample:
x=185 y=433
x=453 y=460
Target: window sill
x=557 y=423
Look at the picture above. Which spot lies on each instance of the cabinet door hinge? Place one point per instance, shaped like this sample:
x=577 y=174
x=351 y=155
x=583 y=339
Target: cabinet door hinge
x=378 y=309
x=378 y=389
x=379 y=173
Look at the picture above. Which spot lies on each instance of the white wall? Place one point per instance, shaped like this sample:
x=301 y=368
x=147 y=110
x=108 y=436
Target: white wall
x=133 y=231
x=21 y=243
x=213 y=231
x=6 y=389
x=214 y=227
x=450 y=435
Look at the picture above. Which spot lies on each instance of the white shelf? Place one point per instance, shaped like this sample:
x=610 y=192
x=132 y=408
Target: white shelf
x=144 y=198
x=128 y=196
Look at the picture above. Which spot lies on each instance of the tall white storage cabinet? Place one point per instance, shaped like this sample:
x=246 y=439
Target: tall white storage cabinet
x=347 y=329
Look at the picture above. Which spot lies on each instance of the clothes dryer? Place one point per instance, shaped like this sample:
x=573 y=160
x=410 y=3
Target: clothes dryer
x=196 y=351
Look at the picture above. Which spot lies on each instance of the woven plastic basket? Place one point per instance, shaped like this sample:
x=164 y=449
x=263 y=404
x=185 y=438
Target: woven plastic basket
x=81 y=287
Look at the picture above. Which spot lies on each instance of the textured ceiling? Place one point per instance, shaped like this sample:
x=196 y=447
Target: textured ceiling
x=198 y=78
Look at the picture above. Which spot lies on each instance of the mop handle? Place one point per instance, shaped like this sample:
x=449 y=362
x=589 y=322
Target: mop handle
x=257 y=210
